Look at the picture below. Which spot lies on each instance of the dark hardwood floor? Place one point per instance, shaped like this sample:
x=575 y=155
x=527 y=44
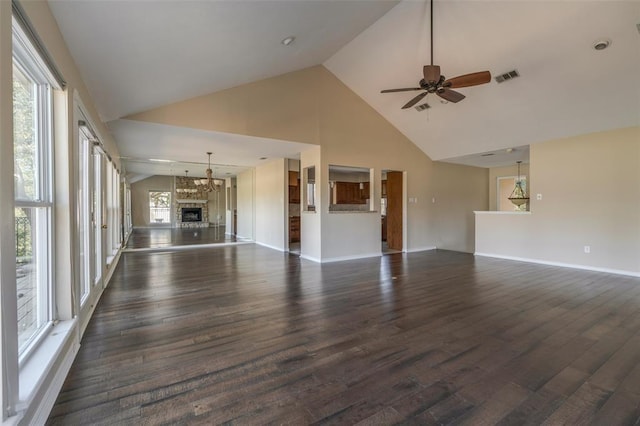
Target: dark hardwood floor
x=247 y=335
x=160 y=238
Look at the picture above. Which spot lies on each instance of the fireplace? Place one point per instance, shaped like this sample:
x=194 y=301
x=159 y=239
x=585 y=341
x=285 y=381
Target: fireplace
x=192 y=214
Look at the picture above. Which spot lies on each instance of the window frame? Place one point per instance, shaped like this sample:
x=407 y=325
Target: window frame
x=26 y=59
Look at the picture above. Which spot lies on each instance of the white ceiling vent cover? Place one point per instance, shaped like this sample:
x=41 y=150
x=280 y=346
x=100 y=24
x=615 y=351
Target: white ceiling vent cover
x=507 y=76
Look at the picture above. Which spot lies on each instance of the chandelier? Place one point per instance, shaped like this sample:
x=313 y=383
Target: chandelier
x=186 y=190
x=210 y=183
x=519 y=195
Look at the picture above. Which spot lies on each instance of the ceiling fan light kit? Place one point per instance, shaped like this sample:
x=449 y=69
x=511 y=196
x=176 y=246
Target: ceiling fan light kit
x=434 y=82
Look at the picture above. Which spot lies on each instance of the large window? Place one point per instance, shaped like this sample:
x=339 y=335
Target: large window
x=159 y=207
x=32 y=143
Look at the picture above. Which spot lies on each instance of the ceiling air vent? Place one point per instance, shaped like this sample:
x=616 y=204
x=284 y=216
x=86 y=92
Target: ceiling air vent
x=507 y=76
x=422 y=107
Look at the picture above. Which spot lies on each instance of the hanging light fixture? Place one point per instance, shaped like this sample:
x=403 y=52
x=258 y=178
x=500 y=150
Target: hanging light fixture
x=519 y=195
x=186 y=190
x=210 y=183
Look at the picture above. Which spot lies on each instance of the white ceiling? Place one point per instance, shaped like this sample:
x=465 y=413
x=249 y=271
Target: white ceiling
x=135 y=55
x=565 y=88
x=187 y=149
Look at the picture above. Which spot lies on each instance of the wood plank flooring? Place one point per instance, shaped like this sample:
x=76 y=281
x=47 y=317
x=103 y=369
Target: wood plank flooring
x=155 y=238
x=247 y=335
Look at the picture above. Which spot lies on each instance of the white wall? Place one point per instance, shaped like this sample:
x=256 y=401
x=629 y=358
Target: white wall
x=230 y=183
x=245 y=204
x=217 y=206
x=310 y=222
x=590 y=187
x=271 y=193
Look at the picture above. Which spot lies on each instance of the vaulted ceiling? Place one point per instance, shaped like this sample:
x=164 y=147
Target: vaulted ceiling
x=137 y=55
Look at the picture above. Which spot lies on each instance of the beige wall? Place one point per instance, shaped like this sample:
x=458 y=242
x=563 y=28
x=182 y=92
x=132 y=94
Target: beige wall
x=313 y=106
x=271 y=197
x=217 y=206
x=590 y=187
x=245 y=200
x=140 y=197
x=458 y=191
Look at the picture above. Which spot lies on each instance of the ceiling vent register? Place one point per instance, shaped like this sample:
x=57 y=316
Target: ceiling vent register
x=422 y=107
x=507 y=76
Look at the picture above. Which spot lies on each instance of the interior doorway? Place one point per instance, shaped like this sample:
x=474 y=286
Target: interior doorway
x=294 y=185
x=391 y=209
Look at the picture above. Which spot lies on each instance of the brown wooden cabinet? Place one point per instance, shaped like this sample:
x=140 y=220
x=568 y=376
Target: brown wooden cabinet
x=294 y=229
x=294 y=179
x=294 y=188
x=351 y=193
x=294 y=194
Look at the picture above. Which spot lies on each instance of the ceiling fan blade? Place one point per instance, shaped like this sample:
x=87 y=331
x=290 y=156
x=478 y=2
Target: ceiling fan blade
x=467 y=80
x=415 y=100
x=407 y=89
x=450 y=95
x=431 y=73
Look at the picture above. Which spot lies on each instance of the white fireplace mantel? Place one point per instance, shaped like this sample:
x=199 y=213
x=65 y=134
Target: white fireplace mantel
x=186 y=201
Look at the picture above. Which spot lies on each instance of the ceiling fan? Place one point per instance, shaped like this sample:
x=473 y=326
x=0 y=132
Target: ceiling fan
x=434 y=82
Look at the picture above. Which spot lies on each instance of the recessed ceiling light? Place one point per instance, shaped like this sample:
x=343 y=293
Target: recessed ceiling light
x=602 y=44
x=158 y=160
x=288 y=40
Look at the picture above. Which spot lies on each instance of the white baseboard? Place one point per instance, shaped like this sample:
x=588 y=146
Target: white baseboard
x=358 y=256
x=281 y=249
x=413 y=250
x=564 y=265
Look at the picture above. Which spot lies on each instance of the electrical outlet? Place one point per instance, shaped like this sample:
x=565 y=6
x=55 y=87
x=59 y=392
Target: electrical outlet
x=587 y=249
x=433 y=200
x=538 y=197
